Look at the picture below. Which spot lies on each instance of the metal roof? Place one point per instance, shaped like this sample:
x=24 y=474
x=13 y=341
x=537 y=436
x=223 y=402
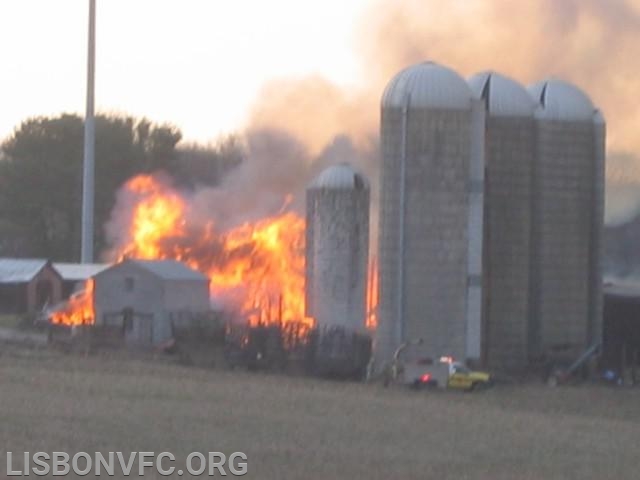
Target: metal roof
x=560 y=100
x=79 y=271
x=167 y=269
x=338 y=177
x=503 y=96
x=627 y=287
x=20 y=270
x=428 y=85
x=598 y=118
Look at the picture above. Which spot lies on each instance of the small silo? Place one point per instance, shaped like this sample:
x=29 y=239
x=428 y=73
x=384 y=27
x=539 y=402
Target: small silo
x=568 y=218
x=430 y=232
x=509 y=146
x=337 y=247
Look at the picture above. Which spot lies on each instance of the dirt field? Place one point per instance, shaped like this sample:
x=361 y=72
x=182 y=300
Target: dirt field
x=295 y=428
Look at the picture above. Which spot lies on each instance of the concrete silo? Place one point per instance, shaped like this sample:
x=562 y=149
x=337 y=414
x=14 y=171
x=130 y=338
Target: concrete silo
x=337 y=247
x=568 y=219
x=508 y=176
x=430 y=233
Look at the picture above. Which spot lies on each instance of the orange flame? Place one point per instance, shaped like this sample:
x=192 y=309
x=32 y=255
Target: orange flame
x=258 y=266
x=158 y=215
x=78 y=310
x=372 y=296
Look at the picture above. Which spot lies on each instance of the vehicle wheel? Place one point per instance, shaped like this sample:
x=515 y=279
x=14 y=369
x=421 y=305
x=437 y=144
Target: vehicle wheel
x=473 y=387
x=431 y=384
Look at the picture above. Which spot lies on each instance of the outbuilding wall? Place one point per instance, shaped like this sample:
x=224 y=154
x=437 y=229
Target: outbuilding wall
x=151 y=305
x=43 y=290
x=186 y=295
x=112 y=297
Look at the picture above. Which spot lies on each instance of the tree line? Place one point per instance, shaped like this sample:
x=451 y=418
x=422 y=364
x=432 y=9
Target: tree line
x=41 y=176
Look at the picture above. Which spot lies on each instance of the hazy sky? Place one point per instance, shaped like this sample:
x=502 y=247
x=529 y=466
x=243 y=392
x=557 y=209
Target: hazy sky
x=314 y=68
x=196 y=63
x=204 y=64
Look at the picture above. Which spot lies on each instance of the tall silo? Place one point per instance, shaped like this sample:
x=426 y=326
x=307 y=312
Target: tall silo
x=509 y=162
x=597 y=230
x=568 y=218
x=337 y=247
x=430 y=232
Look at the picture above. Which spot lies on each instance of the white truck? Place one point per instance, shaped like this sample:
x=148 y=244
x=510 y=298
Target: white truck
x=418 y=371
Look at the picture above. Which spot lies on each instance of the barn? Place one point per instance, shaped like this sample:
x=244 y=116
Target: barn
x=28 y=285
x=75 y=275
x=148 y=297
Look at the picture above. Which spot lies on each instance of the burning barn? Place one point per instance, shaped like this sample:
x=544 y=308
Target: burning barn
x=147 y=296
x=255 y=267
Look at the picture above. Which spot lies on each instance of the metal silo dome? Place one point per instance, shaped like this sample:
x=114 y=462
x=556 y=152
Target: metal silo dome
x=337 y=248
x=341 y=176
x=598 y=117
x=509 y=147
x=503 y=96
x=427 y=85
x=560 y=100
x=430 y=229
x=568 y=218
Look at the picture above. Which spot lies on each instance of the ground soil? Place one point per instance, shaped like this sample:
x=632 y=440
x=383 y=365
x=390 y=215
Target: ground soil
x=302 y=428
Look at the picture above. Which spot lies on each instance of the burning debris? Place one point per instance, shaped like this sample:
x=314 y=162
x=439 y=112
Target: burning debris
x=255 y=268
x=78 y=310
x=255 y=262
x=373 y=294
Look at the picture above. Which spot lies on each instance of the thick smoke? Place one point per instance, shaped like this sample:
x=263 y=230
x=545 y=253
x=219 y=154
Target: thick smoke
x=298 y=126
x=589 y=43
x=334 y=124
x=274 y=169
x=592 y=43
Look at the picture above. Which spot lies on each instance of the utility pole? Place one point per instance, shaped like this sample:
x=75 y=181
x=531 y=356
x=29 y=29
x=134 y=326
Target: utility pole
x=88 y=172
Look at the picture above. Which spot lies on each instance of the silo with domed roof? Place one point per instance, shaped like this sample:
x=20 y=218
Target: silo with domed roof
x=337 y=248
x=430 y=231
x=568 y=179
x=509 y=147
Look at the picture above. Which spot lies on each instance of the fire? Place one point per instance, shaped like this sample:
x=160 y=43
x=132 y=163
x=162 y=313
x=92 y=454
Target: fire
x=78 y=310
x=158 y=214
x=372 y=296
x=258 y=266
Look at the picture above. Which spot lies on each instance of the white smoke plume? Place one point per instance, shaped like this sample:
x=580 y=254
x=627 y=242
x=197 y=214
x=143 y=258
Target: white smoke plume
x=298 y=126
x=592 y=43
